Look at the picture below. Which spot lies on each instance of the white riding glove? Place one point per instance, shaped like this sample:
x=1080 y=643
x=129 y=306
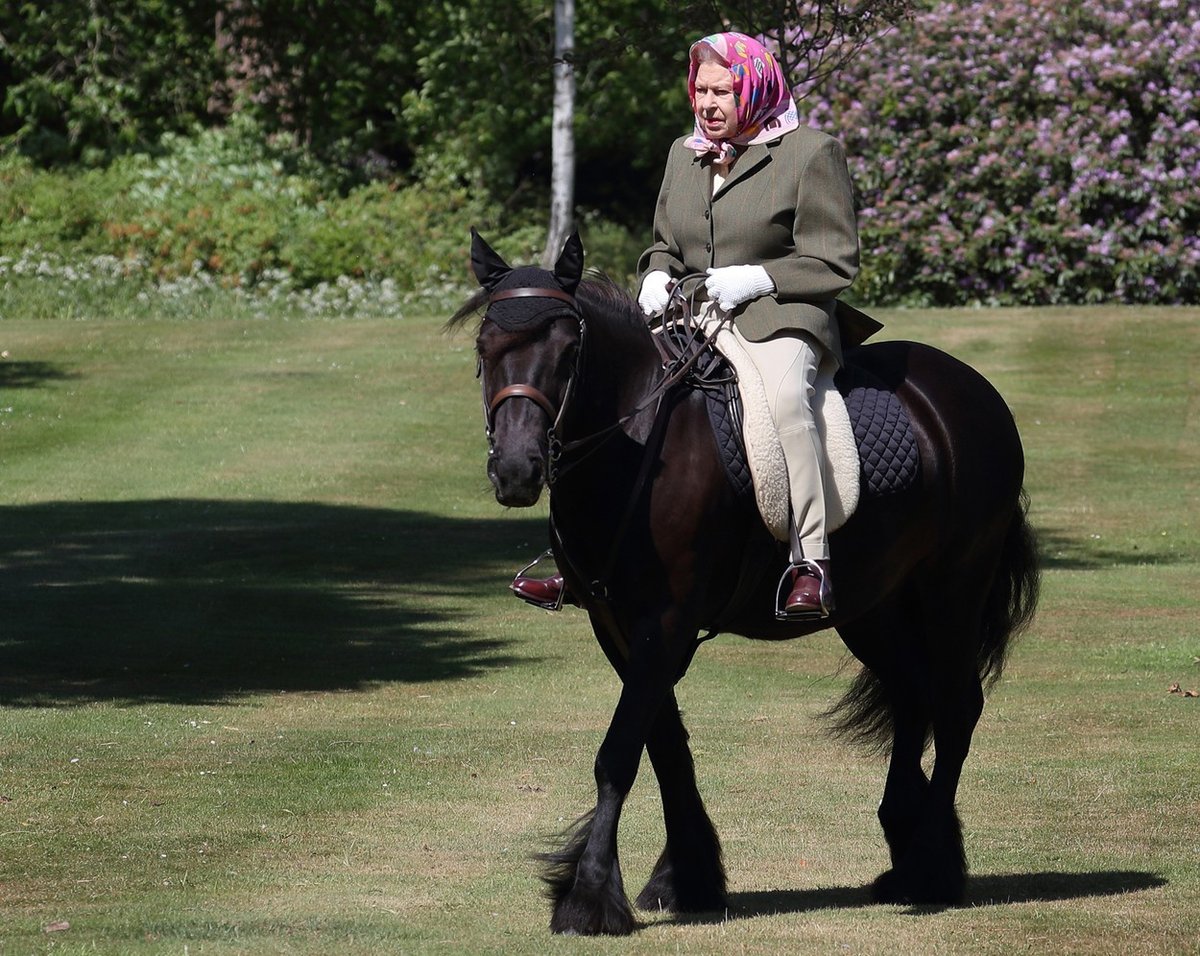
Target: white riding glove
x=730 y=286
x=653 y=297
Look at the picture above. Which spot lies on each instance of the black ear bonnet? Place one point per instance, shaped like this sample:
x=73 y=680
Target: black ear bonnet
x=527 y=312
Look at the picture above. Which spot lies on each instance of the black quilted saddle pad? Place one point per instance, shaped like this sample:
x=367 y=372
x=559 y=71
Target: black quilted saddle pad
x=888 y=456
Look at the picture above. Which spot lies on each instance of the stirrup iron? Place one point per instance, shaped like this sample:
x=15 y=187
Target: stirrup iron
x=544 y=605
x=784 y=589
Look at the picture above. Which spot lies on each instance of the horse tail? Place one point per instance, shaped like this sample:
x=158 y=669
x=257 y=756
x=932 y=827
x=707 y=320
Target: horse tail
x=1011 y=602
x=863 y=716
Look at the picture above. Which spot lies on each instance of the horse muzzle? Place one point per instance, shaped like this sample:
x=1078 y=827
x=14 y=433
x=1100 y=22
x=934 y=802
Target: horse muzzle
x=517 y=478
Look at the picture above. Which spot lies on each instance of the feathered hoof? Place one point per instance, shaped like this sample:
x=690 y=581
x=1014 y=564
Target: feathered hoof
x=598 y=912
x=898 y=888
x=661 y=895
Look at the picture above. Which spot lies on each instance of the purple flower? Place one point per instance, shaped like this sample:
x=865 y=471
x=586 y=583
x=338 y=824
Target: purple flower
x=1067 y=135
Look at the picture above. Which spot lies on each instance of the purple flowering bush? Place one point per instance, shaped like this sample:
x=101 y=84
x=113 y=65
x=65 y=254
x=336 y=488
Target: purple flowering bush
x=1026 y=152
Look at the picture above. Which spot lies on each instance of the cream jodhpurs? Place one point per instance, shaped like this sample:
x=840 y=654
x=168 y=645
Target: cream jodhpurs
x=788 y=364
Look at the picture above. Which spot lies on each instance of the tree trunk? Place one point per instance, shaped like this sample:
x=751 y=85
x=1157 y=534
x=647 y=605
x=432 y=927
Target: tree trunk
x=562 y=176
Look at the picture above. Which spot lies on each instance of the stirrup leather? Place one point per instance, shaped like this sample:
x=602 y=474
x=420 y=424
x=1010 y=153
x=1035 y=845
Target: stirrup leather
x=544 y=605
x=784 y=589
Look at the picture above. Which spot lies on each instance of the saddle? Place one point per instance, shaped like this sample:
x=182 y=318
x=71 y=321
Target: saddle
x=869 y=442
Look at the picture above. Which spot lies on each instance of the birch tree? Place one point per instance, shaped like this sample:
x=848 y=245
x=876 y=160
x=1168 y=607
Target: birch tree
x=562 y=136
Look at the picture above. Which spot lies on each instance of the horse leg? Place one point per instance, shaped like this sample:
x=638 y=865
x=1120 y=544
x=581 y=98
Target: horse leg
x=689 y=876
x=906 y=792
x=888 y=642
x=584 y=876
x=933 y=867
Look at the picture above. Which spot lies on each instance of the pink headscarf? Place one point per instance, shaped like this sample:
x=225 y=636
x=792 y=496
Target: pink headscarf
x=765 y=108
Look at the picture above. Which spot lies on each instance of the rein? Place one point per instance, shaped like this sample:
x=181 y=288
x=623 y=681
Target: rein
x=680 y=345
x=679 y=354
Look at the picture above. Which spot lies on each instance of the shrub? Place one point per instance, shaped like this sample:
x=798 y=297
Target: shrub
x=219 y=200
x=1026 y=151
x=53 y=211
x=233 y=208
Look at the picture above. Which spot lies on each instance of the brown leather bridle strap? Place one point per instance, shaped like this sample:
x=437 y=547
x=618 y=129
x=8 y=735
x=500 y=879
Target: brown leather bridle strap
x=532 y=292
x=523 y=391
x=531 y=392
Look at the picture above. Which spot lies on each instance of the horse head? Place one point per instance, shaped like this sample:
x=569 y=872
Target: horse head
x=528 y=357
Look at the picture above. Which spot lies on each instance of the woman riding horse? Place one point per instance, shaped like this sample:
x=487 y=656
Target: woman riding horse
x=936 y=575
x=765 y=207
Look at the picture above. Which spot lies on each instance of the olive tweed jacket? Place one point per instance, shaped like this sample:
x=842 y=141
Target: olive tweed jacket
x=787 y=205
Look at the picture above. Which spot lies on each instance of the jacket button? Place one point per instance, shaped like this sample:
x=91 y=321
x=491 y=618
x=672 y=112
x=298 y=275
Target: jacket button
x=706 y=213
x=708 y=247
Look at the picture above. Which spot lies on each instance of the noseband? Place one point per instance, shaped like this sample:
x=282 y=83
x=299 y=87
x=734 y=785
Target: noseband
x=532 y=392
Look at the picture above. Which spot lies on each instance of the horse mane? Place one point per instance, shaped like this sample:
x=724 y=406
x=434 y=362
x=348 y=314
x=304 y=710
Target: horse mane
x=475 y=305
x=600 y=298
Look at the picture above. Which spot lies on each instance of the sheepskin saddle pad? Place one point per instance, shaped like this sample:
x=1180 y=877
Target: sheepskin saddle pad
x=869 y=442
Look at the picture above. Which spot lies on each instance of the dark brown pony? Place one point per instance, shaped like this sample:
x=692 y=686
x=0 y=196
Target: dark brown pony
x=931 y=583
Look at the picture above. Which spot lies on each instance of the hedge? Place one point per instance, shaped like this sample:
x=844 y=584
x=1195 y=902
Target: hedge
x=1026 y=152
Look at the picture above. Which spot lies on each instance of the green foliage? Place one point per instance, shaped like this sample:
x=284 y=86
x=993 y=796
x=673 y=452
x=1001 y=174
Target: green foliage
x=304 y=140
x=89 y=85
x=612 y=248
x=233 y=207
x=331 y=73
x=487 y=117
x=218 y=200
x=412 y=235
x=40 y=209
x=372 y=85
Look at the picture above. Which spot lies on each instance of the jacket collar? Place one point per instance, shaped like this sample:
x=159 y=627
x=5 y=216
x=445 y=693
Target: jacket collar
x=756 y=155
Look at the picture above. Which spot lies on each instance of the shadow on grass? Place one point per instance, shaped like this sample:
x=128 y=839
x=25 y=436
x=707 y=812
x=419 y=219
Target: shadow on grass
x=1062 y=552
x=202 y=601
x=981 y=891
x=31 y=374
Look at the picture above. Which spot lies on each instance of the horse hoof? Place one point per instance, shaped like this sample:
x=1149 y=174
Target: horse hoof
x=892 y=887
x=658 y=898
x=593 y=913
x=887 y=889
x=608 y=928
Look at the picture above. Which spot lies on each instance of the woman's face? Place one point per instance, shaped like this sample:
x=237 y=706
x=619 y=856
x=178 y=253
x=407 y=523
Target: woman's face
x=714 y=103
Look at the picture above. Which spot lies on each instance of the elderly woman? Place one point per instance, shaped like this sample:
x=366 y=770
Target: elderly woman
x=765 y=207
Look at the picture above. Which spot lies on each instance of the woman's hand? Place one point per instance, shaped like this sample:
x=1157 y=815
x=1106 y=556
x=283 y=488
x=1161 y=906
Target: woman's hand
x=654 y=295
x=730 y=286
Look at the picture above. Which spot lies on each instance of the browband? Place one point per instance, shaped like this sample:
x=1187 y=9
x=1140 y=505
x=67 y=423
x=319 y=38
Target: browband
x=532 y=292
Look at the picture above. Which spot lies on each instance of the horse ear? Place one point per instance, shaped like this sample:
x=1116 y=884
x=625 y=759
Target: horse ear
x=489 y=268
x=569 y=268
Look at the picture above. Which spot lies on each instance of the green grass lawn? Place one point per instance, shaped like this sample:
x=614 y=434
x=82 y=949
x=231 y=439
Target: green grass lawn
x=263 y=689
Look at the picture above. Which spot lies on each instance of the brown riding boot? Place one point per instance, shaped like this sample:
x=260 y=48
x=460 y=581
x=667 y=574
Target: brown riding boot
x=811 y=595
x=542 y=592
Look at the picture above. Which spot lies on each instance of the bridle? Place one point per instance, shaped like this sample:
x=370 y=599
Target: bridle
x=532 y=392
x=677 y=362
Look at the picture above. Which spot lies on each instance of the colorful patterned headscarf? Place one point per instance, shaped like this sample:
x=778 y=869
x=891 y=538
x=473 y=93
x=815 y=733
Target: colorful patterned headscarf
x=765 y=108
